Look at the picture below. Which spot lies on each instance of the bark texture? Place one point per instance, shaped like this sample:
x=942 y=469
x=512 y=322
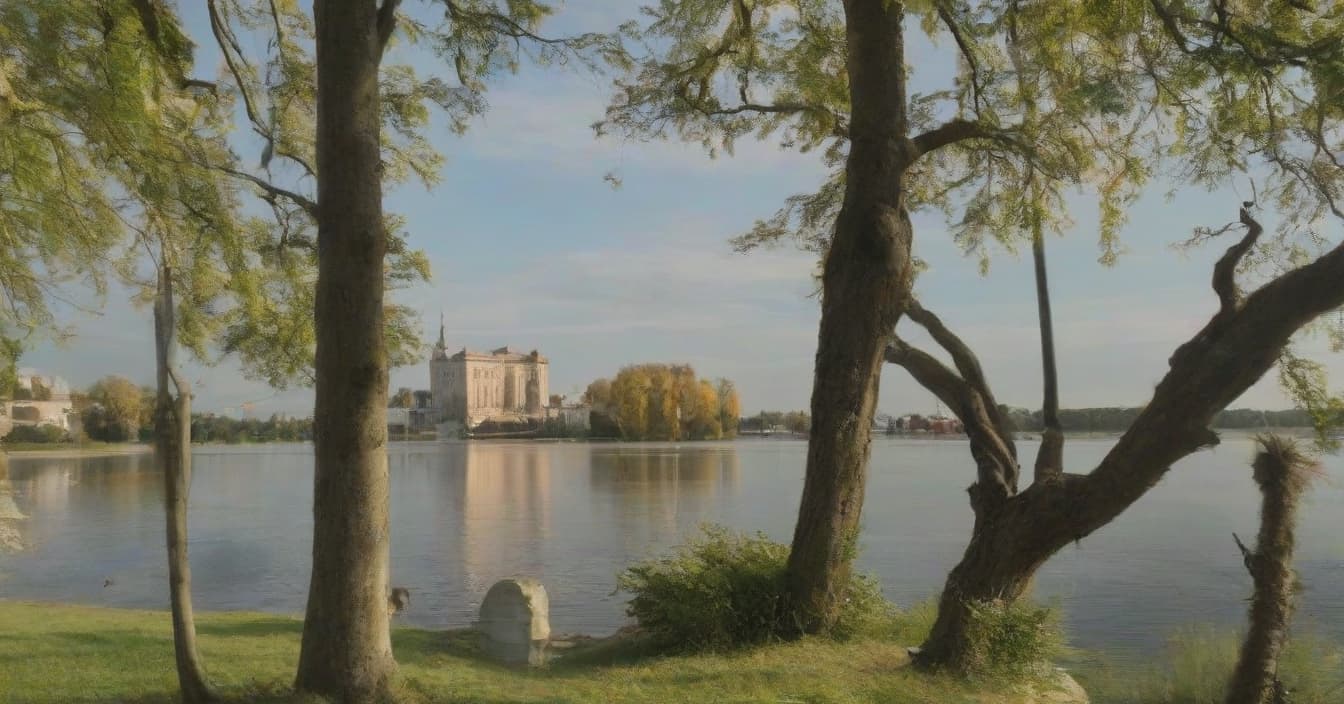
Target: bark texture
x=1015 y=532
x=1283 y=474
x=346 y=651
x=865 y=282
x=172 y=429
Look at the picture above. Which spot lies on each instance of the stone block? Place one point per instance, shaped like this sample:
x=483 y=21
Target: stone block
x=515 y=621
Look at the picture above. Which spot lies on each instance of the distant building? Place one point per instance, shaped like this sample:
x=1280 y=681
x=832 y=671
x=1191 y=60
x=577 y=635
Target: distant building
x=503 y=385
x=40 y=399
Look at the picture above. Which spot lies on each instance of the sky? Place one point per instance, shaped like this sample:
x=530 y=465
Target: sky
x=531 y=247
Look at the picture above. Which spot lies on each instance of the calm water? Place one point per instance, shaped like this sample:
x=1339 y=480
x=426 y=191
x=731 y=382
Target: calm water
x=464 y=515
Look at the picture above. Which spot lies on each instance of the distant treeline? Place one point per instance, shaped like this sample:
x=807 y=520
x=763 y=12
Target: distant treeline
x=1103 y=420
x=205 y=427
x=792 y=421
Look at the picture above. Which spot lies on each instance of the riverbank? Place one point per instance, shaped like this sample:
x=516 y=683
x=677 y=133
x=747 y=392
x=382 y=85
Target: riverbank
x=64 y=451
x=57 y=653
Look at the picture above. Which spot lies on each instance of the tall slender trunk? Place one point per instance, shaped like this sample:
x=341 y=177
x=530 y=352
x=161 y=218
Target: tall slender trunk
x=865 y=284
x=347 y=652
x=1282 y=474
x=172 y=430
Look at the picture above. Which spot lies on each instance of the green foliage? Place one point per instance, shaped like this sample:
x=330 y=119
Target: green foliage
x=102 y=425
x=44 y=434
x=724 y=590
x=1197 y=667
x=118 y=411
x=1011 y=640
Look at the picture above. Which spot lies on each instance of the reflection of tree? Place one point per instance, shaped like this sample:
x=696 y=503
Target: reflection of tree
x=656 y=485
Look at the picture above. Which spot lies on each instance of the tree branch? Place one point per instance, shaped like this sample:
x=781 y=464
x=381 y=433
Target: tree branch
x=387 y=21
x=1225 y=285
x=953 y=27
x=225 y=44
x=996 y=463
x=272 y=189
x=959 y=130
x=1232 y=356
x=1225 y=271
x=968 y=365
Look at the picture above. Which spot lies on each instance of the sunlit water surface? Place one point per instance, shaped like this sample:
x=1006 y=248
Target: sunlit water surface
x=465 y=515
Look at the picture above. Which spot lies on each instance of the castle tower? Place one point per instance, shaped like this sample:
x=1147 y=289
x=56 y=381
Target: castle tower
x=439 y=373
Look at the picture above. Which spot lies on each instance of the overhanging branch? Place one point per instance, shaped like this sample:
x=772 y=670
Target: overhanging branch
x=1212 y=370
x=960 y=130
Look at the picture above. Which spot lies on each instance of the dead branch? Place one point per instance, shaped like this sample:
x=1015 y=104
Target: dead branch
x=1283 y=474
x=1225 y=285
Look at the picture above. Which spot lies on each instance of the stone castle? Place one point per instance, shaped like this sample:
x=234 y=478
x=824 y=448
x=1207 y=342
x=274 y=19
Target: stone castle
x=501 y=385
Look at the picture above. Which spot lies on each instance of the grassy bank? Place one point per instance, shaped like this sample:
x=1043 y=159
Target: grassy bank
x=72 y=654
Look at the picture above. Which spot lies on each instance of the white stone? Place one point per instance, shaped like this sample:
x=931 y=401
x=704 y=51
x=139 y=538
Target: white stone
x=515 y=620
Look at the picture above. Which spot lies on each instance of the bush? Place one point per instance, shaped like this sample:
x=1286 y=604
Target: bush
x=1012 y=641
x=36 y=433
x=725 y=590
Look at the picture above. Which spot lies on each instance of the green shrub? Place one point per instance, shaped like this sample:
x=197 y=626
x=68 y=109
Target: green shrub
x=36 y=433
x=725 y=590
x=1012 y=640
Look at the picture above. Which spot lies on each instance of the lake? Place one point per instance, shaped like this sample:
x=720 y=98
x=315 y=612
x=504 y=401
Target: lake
x=572 y=514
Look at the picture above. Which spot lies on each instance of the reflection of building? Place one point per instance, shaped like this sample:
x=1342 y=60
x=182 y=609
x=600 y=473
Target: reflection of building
x=502 y=385
x=506 y=509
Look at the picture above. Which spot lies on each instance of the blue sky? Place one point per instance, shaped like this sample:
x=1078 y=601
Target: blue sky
x=530 y=247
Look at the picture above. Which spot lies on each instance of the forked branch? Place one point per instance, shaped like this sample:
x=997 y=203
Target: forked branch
x=996 y=462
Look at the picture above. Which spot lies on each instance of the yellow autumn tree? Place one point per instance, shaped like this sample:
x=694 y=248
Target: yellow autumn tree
x=630 y=402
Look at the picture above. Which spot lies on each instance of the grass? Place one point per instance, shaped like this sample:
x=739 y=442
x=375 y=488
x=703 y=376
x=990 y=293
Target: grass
x=1197 y=665
x=75 y=655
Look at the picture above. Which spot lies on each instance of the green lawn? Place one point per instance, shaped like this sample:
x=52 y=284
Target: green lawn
x=72 y=654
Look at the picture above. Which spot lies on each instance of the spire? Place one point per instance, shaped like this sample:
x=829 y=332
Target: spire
x=442 y=345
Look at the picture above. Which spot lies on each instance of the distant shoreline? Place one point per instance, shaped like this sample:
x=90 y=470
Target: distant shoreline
x=64 y=452
x=68 y=451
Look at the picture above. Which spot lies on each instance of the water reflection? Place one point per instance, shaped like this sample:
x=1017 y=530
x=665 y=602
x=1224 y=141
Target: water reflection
x=574 y=515
x=11 y=518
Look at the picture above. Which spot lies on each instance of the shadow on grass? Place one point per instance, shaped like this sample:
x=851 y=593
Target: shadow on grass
x=259 y=627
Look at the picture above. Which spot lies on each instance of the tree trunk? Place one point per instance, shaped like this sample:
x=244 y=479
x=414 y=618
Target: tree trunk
x=347 y=652
x=1282 y=474
x=865 y=283
x=172 y=431
x=1009 y=542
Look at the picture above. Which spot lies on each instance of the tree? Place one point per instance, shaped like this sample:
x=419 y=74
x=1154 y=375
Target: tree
x=730 y=407
x=404 y=398
x=598 y=394
x=1283 y=474
x=121 y=406
x=1047 y=96
x=704 y=413
x=346 y=652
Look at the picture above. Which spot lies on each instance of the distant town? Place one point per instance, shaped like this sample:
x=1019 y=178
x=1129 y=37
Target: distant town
x=498 y=394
